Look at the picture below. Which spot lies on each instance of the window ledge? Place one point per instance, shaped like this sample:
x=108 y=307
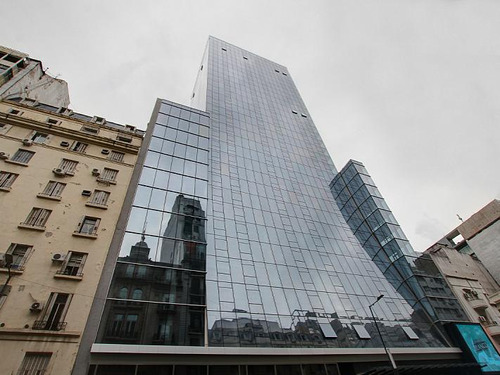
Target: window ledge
x=68 y=277
x=25 y=226
x=108 y=182
x=7 y=189
x=85 y=235
x=12 y=271
x=101 y=206
x=16 y=163
x=51 y=197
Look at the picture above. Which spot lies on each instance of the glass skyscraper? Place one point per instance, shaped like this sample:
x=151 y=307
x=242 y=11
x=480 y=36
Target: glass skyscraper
x=234 y=257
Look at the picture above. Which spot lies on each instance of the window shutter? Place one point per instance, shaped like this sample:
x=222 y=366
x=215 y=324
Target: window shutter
x=97 y=222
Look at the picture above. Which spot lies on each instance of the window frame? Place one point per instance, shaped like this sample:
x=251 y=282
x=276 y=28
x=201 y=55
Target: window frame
x=99 y=199
x=80 y=232
x=103 y=177
x=36 y=219
x=28 y=155
x=35 y=363
x=116 y=156
x=19 y=265
x=7 y=179
x=52 y=317
x=52 y=192
x=68 y=166
x=80 y=147
x=76 y=269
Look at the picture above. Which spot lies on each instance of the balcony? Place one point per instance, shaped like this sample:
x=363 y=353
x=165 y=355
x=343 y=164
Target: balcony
x=493 y=329
x=49 y=326
x=477 y=303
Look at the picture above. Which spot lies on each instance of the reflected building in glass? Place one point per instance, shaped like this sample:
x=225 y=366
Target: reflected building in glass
x=233 y=257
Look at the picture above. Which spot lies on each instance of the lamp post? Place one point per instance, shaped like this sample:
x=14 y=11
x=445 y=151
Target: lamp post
x=6 y=262
x=393 y=363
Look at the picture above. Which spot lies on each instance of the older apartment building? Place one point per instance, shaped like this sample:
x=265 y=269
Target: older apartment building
x=63 y=181
x=24 y=77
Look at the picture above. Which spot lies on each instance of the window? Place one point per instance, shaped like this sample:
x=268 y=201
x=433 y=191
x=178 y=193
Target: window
x=123 y=293
x=124 y=139
x=79 y=147
x=22 y=156
x=16 y=112
x=108 y=175
x=124 y=325
x=116 y=156
x=73 y=264
x=53 y=189
x=37 y=218
x=99 y=198
x=20 y=255
x=53 y=121
x=34 y=364
x=38 y=137
x=68 y=166
x=98 y=120
x=54 y=312
x=89 y=226
x=89 y=129
x=137 y=294
x=7 y=179
x=4 y=292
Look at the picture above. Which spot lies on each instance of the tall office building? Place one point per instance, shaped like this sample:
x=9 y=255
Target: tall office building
x=233 y=257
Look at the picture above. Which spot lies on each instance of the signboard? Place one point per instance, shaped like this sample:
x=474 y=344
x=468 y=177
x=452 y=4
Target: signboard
x=480 y=347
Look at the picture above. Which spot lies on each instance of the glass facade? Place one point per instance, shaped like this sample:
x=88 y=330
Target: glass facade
x=157 y=295
x=234 y=238
x=414 y=275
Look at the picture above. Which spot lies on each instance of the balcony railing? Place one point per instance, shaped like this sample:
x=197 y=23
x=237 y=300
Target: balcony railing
x=49 y=326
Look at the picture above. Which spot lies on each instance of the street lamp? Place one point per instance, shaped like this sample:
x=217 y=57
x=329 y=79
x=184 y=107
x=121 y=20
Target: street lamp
x=6 y=261
x=393 y=363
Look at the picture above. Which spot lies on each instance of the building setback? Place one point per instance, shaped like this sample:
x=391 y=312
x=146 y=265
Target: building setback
x=24 y=77
x=479 y=235
x=63 y=179
x=413 y=274
x=235 y=258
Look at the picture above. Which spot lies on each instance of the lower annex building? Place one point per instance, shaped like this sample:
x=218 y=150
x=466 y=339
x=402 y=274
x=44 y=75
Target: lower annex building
x=232 y=257
x=63 y=179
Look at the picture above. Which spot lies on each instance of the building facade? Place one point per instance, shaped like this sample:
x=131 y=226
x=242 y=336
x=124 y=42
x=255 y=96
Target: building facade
x=63 y=179
x=234 y=257
x=479 y=235
x=413 y=274
x=24 y=77
x=473 y=286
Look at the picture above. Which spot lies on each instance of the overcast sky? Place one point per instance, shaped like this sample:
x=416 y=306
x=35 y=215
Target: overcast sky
x=410 y=88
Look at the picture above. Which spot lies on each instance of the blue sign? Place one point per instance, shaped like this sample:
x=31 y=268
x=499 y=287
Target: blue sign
x=480 y=346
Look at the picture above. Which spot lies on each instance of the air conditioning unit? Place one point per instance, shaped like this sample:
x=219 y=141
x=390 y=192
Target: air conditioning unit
x=482 y=318
x=86 y=193
x=105 y=151
x=27 y=142
x=36 y=307
x=95 y=172
x=59 y=172
x=57 y=257
x=64 y=144
x=4 y=155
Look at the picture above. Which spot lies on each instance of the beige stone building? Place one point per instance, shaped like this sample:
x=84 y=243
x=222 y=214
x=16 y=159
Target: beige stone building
x=24 y=77
x=63 y=181
x=475 y=288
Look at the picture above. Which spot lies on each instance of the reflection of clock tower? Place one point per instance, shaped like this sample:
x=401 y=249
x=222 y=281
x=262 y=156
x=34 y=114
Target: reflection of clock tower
x=185 y=230
x=140 y=251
